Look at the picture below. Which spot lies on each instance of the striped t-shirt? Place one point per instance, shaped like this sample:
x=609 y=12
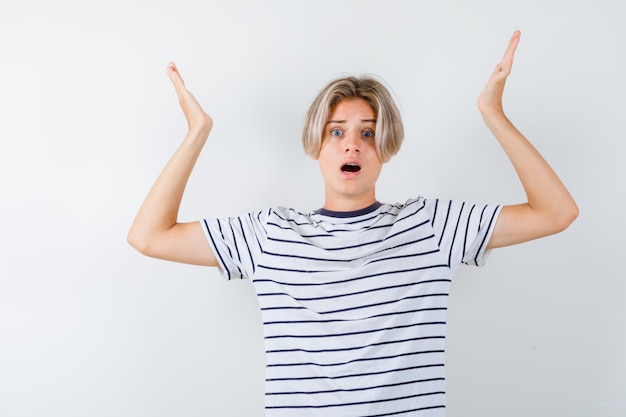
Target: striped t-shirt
x=354 y=304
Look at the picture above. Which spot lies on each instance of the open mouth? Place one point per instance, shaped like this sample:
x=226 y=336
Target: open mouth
x=351 y=168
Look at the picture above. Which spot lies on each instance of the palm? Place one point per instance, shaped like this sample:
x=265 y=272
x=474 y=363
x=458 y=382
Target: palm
x=196 y=117
x=490 y=100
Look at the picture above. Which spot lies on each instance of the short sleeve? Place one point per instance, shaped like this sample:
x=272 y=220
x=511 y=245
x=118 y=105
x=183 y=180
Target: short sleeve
x=237 y=243
x=463 y=230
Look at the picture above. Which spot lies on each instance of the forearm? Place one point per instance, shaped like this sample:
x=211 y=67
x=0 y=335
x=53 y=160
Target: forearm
x=159 y=211
x=548 y=201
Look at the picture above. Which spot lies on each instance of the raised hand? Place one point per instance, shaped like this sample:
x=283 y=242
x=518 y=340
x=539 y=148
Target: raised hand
x=490 y=100
x=197 y=118
x=156 y=230
x=549 y=207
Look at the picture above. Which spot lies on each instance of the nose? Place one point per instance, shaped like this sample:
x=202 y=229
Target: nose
x=352 y=143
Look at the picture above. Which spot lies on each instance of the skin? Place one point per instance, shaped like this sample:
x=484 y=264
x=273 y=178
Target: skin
x=549 y=207
x=349 y=138
x=156 y=231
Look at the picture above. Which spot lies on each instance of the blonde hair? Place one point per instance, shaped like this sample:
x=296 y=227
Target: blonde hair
x=389 y=129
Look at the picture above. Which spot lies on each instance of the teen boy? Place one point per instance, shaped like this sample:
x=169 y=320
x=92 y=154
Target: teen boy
x=354 y=295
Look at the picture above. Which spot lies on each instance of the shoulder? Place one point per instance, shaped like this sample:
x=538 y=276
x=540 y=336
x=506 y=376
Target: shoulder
x=409 y=208
x=288 y=219
x=288 y=215
x=410 y=204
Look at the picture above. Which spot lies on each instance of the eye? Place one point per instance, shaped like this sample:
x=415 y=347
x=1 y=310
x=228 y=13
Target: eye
x=336 y=132
x=368 y=134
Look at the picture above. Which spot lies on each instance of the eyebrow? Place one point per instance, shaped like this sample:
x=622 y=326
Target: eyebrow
x=344 y=121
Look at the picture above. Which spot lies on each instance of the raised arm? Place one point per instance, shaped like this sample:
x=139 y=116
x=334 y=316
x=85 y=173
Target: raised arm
x=155 y=231
x=550 y=207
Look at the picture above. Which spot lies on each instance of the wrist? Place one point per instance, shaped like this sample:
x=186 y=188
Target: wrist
x=198 y=134
x=201 y=127
x=496 y=121
x=493 y=114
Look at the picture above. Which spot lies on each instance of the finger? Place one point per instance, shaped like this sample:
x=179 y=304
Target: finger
x=175 y=77
x=506 y=64
x=174 y=74
x=510 y=50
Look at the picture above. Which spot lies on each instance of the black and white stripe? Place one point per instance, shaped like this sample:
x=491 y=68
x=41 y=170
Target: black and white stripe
x=354 y=307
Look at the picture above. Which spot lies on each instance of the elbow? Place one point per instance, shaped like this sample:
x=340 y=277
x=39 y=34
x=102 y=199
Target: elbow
x=138 y=242
x=574 y=212
x=566 y=216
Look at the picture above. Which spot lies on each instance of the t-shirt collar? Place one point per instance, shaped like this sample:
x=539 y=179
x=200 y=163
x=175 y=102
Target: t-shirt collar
x=346 y=214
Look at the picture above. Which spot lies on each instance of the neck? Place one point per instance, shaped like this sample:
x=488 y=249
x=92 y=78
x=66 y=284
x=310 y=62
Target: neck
x=349 y=204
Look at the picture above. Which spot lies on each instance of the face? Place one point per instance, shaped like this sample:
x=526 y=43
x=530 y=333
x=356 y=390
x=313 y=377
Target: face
x=348 y=157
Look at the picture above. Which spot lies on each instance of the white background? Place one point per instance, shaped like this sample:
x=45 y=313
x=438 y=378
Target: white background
x=89 y=327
